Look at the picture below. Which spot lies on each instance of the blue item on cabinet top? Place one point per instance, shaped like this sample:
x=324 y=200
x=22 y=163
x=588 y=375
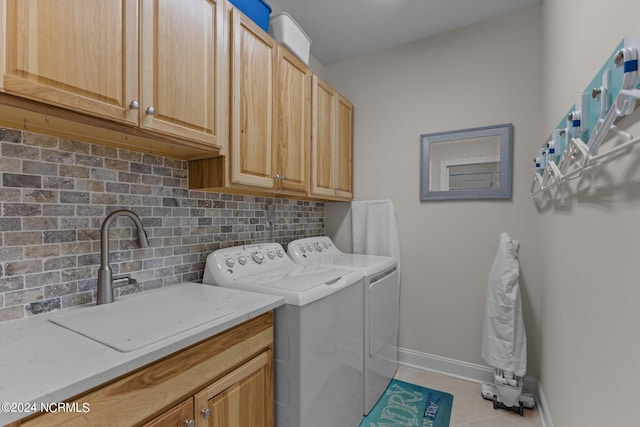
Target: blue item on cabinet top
x=257 y=10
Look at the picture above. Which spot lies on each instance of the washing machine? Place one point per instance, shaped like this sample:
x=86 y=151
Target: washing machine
x=317 y=332
x=381 y=297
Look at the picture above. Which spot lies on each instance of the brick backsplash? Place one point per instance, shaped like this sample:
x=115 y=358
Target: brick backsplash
x=55 y=193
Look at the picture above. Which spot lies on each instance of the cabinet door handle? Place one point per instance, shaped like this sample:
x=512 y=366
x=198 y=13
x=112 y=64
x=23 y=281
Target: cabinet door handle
x=134 y=105
x=150 y=111
x=189 y=423
x=206 y=413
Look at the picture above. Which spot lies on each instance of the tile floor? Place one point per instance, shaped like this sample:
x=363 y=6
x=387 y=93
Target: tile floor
x=469 y=408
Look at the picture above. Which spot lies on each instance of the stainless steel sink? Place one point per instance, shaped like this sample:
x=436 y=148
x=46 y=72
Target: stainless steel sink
x=136 y=321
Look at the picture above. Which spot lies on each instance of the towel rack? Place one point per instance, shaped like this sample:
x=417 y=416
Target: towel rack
x=579 y=156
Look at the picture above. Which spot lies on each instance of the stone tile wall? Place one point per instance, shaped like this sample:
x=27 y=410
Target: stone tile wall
x=55 y=193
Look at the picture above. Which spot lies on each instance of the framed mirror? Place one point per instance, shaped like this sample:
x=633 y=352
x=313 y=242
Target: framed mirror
x=467 y=164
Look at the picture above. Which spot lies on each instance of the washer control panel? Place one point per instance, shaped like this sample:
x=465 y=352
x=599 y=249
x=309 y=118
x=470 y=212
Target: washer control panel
x=312 y=248
x=241 y=261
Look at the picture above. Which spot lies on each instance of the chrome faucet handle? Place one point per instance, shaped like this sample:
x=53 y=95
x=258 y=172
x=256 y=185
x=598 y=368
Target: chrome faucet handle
x=123 y=280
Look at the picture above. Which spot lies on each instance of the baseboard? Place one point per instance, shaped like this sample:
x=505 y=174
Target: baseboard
x=456 y=368
x=543 y=408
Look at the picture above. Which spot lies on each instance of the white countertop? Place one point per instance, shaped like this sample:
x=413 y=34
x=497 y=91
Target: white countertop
x=41 y=362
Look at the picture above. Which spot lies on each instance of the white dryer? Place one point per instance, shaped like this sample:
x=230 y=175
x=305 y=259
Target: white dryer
x=381 y=307
x=317 y=332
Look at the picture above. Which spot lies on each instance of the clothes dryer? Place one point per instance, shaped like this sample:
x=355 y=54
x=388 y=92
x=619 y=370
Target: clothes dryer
x=381 y=296
x=317 y=332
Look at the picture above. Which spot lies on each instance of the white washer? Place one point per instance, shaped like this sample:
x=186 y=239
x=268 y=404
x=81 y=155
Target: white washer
x=317 y=332
x=381 y=307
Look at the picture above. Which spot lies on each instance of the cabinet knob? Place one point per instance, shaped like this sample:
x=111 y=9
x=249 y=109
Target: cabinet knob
x=134 y=105
x=284 y=178
x=277 y=177
x=150 y=111
x=206 y=413
x=189 y=423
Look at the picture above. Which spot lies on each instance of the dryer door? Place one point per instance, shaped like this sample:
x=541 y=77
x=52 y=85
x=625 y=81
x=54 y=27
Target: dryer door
x=384 y=316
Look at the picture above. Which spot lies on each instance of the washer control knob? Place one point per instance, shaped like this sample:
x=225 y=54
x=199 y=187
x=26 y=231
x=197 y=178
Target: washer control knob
x=326 y=245
x=230 y=262
x=302 y=249
x=280 y=253
x=271 y=254
x=258 y=257
x=242 y=259
x=310 y=248
x=318 y=246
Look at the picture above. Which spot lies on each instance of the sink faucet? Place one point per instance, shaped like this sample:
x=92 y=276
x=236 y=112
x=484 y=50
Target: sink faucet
x=105 y=278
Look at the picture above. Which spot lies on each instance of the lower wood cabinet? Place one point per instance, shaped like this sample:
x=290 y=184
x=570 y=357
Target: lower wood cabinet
x=179 y=416
x=226 y=380
x=242 y=398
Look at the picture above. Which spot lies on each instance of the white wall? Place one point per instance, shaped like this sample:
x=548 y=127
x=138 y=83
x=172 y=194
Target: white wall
x=481 y=75
x=590 y=360
x=316 y=66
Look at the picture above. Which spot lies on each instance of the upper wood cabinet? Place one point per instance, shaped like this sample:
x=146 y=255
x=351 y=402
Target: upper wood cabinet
x=344 y=148
x=253 y=112
x=190 y=79
x=323 y=139
x=77 y=54
x=158 y=64
x=183 y=62
x=332 y=143
x=270 y=119
x=293 y=130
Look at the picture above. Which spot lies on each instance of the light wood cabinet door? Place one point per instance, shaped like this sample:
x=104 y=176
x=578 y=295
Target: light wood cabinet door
x=344 y=148
x=76 y=54
x=293 y=132
x=179 y=416
x=242 y=398
x=183 y=69
x=331 y=143
x=253 y=60
x=322 y=140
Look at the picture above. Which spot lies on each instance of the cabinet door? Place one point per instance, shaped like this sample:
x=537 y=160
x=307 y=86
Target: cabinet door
x=322 y=139
x=293 y=134
x=178 y=416
x=183 y=69
x=253 y=57
x=56 y=53
x=240 y=399
x=344 y=148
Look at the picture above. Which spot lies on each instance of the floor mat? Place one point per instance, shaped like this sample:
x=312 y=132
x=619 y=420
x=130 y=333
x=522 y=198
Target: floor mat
x=406 y=404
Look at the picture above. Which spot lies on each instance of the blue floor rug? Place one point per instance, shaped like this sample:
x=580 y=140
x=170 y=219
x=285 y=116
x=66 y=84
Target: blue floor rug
x=405 y=404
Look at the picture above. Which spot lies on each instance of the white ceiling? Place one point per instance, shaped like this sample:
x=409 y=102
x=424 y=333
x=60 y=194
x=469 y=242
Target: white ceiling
x=342 y=29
